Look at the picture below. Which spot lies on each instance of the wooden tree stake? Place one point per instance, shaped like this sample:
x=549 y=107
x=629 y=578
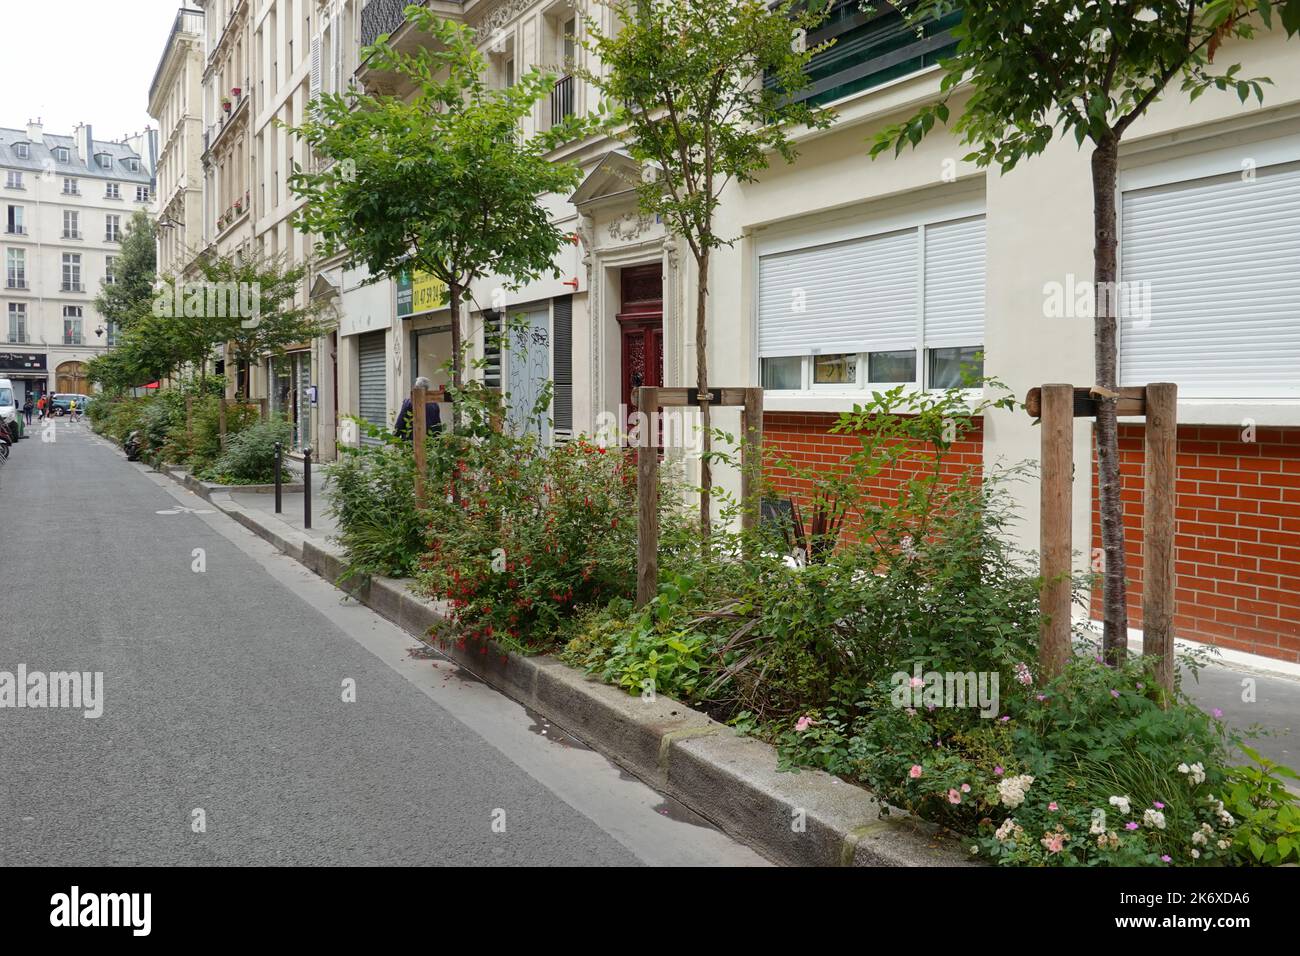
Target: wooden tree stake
x=1158 y=529
x=419 y=422
x=1057 y=455
x=647 y=491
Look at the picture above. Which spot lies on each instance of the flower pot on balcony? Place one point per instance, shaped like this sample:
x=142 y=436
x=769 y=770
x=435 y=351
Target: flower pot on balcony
x=236 y=91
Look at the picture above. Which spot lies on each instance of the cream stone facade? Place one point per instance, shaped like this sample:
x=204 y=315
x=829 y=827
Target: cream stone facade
x=176 y=103
x=65 y=202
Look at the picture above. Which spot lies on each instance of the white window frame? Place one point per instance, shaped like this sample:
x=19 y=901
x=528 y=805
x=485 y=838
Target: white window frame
x=71 y=274
x=142 y=194
x=61 y=154
x=17 y=313
x=15 y=268
x=22 y=150
x=70 y=186
x=72 y=216
x=846 y=227
x=112 y=228
x=112 y=191
x=14 y=179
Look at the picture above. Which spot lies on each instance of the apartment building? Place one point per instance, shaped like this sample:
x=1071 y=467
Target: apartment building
x=176 y=103
x=905 y=267
x=65 y=201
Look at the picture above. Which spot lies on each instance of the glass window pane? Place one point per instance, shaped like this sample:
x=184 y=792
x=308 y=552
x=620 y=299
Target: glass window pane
x=835 y=370
x=948 y=367
x=892 y=367
x=783 y=373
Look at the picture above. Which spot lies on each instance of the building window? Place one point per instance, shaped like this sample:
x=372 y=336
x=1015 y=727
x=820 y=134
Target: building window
x=71 y=224
x=1209 y=291
x=22 y=151
x=17 y=322
x=112 y=191
x=13 y=179
x=70 y=187
x=104 y=160
x=141 y=193
x=14 y=221
x=72 y=325
x=61 y=154
x=133 y=164
x=72 y=272
x=898 y=307
x=16 y=269
x=110 y=267
x=112 y=228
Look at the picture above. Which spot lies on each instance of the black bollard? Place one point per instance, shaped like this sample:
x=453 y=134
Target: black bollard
x=278 y=458
x=306 y=487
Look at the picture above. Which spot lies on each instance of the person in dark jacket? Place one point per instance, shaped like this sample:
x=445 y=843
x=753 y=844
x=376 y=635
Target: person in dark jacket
x=27 y=409
x=432 y=414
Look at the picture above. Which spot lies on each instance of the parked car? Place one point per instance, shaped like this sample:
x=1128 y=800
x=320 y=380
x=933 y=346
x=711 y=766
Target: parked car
x=11 y=416
x=61 y=403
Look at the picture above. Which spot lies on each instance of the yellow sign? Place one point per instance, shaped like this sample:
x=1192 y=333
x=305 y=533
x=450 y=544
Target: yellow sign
x=420 y=292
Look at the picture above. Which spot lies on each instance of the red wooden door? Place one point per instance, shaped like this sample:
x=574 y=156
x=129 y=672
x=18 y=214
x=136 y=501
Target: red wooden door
x=641 y=324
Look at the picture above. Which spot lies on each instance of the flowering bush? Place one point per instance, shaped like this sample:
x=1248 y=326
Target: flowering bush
x=520 y=535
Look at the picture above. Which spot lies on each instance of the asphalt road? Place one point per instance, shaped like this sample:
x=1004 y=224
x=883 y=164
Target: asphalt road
x=224 y=667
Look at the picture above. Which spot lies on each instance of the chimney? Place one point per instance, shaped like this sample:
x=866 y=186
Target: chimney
x=86 y=144
x=35 y=131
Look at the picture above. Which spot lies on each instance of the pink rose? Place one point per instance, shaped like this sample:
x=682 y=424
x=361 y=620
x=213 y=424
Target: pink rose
x=915 y=772
x=954 y=796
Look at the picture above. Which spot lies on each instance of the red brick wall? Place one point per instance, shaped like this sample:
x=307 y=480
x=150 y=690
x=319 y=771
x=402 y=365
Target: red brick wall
x=804 y=439
x=1237 y=536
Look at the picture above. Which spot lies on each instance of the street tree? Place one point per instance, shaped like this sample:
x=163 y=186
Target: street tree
x=703 y=93
x=1039 y=69
x=442 y=182
x=262 y=306
x=130 y=295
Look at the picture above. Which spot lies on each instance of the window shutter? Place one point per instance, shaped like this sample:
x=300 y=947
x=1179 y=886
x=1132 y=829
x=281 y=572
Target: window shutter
x=336 y=46
x=854 y=296
x=315 y=67
x=1222 y=259
x=562 y=366
x=954 y=283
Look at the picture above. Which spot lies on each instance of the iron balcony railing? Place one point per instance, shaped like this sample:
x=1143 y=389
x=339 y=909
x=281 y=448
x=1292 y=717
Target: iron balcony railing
x=562 y=100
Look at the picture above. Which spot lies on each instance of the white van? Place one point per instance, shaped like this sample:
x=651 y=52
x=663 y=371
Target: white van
x=11 y=416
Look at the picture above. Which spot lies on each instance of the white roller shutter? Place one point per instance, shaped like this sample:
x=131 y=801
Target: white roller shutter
x=954 y=283
x=855 y=296
x=372 y=380
x=1222 y=257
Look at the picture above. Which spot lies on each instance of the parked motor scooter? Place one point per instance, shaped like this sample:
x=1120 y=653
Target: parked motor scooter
x=133 y=445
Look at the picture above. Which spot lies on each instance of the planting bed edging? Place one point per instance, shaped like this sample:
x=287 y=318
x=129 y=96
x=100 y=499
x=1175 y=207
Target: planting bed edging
x=808 y=818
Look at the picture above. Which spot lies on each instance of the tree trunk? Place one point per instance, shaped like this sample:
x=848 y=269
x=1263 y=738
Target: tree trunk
x=1114 y=588
x=453 y=300
x=702 y=384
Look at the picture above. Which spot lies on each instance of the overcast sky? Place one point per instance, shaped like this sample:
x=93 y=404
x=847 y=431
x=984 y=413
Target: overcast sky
x=81 y=61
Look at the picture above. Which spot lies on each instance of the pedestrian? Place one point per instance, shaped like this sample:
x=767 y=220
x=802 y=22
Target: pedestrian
x=27 y=409
x=40 y=405
x=432 y=413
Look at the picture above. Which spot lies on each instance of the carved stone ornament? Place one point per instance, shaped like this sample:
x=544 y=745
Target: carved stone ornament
x=499 y=17
x=629 y=226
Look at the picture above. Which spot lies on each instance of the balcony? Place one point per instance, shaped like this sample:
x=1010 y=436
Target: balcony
x=71 y=234
x=872 y=48
x=17 y=230
x=19 y=283
x=562 y=100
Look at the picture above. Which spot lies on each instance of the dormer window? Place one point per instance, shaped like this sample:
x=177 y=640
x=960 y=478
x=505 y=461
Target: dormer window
x=22 y=151
x=133 y=164
x=104 y=160
x=61 y=154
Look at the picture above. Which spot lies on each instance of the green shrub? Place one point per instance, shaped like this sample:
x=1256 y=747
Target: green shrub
x=249 y=457
x=373 y=504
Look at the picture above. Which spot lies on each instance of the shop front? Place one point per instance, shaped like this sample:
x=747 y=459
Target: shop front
x=29 y=373
x=291 y=393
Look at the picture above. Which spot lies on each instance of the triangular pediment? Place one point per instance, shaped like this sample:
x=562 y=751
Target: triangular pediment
x=614 y=177
x=322 y=288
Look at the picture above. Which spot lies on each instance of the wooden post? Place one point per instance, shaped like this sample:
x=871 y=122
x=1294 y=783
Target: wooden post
x=1057 y=455
x=419 y=423
x=647 y=495
x=751 y=457
x=1158 y=529
x=189 y=417
x=221 y=419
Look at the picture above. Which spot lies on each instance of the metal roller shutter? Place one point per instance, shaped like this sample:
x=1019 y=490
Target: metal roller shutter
x=855 y=296
x=372 y=382
x=954 y=283
x=562 y=362
x=1221 y=256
